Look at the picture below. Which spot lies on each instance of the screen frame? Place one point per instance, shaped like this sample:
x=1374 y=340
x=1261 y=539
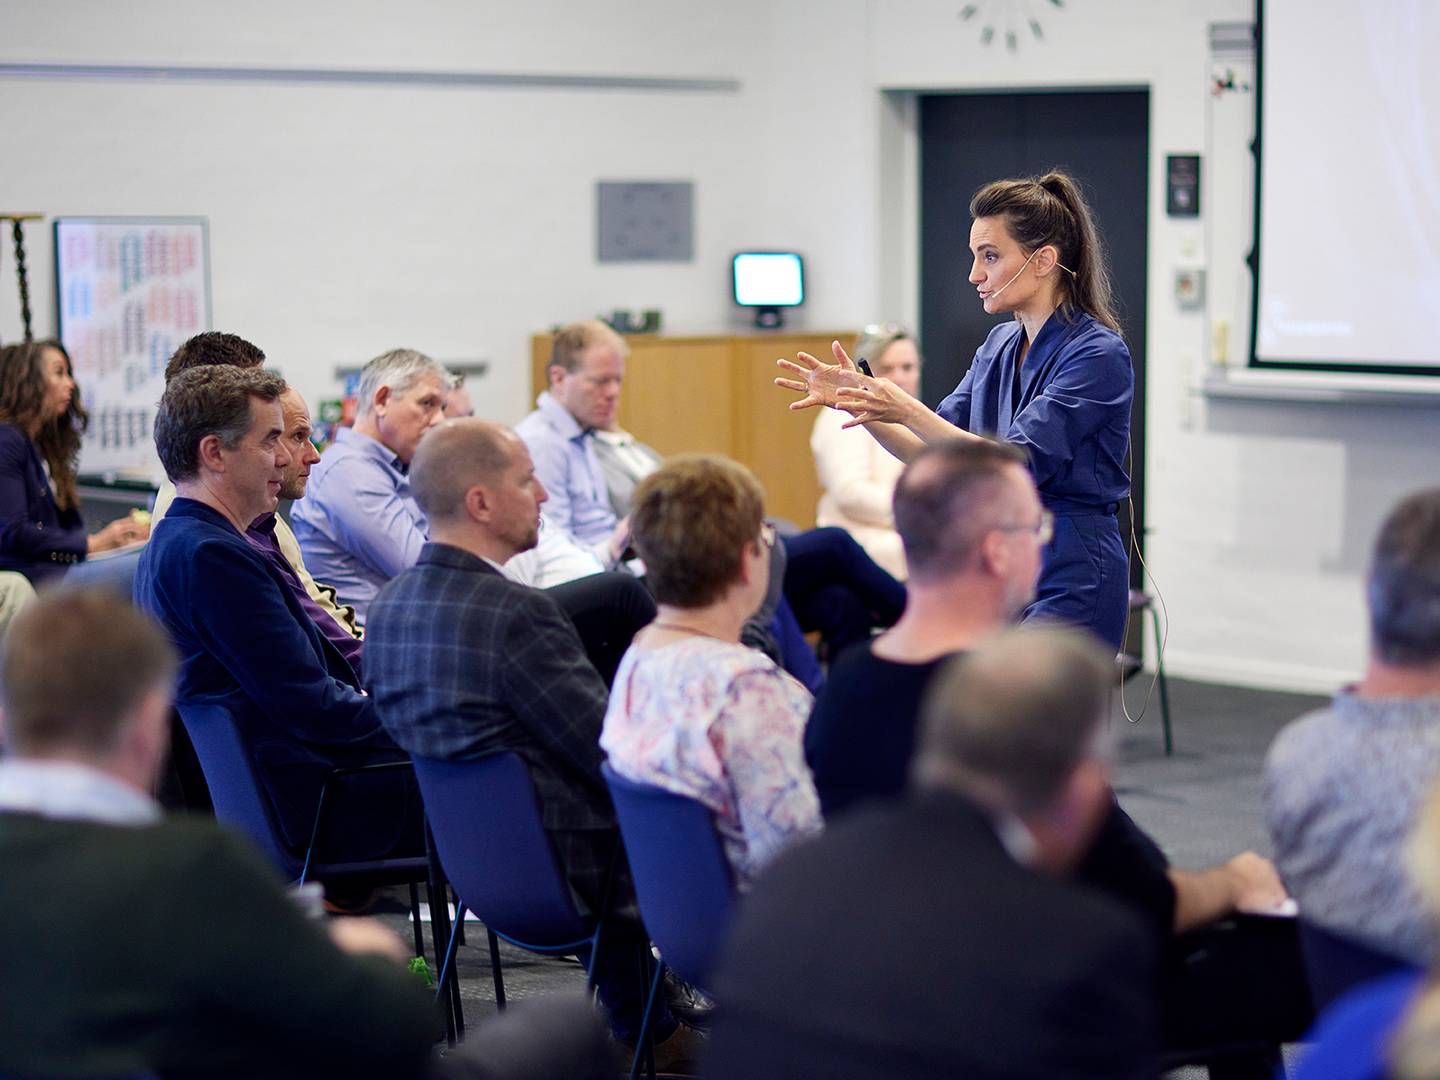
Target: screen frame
x=1254 y=361
x=735 y=282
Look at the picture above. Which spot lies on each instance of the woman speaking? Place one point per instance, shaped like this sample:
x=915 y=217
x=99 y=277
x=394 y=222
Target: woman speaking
x=1056 y=380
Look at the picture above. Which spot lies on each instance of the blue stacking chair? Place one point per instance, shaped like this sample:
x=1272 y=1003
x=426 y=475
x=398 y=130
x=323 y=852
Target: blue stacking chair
x=241 y=804
x=683 y=881
x=485 y=818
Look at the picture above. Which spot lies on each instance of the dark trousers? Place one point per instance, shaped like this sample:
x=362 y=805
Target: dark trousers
x=608 y=610
x=837 y=589
x=1237 y=982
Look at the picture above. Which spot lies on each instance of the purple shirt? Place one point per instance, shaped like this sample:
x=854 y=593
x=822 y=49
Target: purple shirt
x=261 y=537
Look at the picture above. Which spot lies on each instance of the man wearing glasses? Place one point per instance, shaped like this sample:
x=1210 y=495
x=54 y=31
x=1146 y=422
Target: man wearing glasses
x=975 y=532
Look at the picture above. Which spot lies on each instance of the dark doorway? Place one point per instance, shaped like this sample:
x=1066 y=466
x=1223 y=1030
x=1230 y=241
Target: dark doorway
x=966 y=140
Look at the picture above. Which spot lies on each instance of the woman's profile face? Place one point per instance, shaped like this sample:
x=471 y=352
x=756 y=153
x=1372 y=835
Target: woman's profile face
x=59 y=385
x=998 y=271
x=900 y=363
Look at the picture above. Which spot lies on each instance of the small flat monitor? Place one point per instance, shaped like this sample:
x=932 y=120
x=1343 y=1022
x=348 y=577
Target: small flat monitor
x=768 y=281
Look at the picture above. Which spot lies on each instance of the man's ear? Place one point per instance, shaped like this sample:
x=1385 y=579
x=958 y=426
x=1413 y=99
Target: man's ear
x=994 y=553
x=209 y=454
x=477 y=504
x=556 y=374
x=381 y=400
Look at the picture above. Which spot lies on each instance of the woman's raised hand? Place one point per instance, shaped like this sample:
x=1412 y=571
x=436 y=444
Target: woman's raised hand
x=875 y=401
x=818 y=381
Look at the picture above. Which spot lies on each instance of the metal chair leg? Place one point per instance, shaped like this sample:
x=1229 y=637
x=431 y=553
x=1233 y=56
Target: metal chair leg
x=495 y=972
x=449 y=960
x=642 y=1041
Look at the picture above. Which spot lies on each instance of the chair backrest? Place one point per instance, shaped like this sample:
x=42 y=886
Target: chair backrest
x=115 y=572
x=234 y=787
x=485 y=817
x=1335 y=964
x=682 y=877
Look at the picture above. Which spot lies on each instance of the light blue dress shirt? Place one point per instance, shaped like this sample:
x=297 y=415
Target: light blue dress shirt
x=566 y=463
x=358 y=525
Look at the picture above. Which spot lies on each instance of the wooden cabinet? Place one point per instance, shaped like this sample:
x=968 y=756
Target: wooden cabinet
x=716 y=395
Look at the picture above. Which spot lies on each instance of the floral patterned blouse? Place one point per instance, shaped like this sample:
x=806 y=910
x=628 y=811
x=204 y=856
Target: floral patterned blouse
x=720 y=723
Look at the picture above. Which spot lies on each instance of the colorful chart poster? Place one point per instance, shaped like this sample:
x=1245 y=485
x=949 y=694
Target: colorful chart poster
x=129 y=291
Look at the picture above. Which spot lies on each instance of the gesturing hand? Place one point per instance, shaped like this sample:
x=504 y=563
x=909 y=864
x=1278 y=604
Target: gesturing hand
x=818 y=381
x=875 y=400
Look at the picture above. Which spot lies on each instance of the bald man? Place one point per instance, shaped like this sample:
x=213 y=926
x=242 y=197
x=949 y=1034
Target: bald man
x=463 y=662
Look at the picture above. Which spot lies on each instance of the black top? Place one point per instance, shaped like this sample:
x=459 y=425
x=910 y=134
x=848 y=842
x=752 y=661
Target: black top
x=906 y=942
x=859 y=743
x=861 y=734
x=186 y=960
x=37 y=538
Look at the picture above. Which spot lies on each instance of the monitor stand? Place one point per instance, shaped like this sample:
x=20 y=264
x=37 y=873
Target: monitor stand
x=768 y=318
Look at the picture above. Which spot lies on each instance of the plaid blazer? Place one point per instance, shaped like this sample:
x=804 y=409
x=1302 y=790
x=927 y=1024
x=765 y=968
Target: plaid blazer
x=462 y=662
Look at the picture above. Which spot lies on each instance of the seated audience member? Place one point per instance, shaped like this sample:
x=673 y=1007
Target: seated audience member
x=964 y=953
x=462 y=663
x=41 y=422
x=189 y=959
x=362 y=522
x=213 y=347
x=625 y=461
x=245 y=638
x=1343 y=785
x=973 y=528
x=693 y=710
x=829 y=582
x=1390 y=1027
x=857 y=474
x=360 y=526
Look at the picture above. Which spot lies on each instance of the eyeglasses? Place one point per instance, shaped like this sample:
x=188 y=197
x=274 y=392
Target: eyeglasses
x=767 y=536
x=1044 y=529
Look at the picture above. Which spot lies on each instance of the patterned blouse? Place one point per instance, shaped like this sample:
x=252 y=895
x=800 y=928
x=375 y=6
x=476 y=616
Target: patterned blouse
x=722 y=724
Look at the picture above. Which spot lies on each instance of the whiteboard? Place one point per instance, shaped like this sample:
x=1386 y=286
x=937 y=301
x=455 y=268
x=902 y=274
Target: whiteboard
x=128 y=291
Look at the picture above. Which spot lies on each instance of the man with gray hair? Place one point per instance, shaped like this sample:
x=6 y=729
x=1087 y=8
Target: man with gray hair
x=973 y=957
x=1343 y=785
x=359 y=525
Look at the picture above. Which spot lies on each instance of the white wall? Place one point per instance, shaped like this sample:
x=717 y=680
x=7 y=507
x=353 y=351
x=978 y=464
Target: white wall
x=348 y=219
x=1261 y=513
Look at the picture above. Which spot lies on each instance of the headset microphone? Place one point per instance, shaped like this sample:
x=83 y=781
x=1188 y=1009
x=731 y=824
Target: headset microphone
x=1012 y=281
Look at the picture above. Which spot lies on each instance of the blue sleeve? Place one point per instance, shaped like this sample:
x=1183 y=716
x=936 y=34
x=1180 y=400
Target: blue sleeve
x=236 y=612
x=372 y=520
x=552 y=465
x=20 y=537
x=1091 y=388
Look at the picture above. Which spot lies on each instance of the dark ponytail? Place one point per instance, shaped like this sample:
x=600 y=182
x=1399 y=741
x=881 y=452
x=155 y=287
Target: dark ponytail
x=1050 y=209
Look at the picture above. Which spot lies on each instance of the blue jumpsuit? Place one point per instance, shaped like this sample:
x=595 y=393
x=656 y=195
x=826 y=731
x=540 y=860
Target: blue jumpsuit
x=1072 y=416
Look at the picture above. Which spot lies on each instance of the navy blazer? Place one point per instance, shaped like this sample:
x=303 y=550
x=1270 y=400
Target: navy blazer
x=463 y=663
x=37 y=538
x=246 y=643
